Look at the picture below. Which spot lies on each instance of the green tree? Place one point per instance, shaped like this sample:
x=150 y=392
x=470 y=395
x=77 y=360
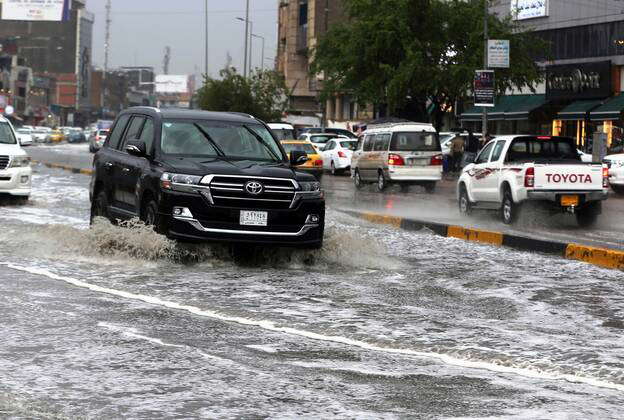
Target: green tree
x=263 y=95
x=413 y=55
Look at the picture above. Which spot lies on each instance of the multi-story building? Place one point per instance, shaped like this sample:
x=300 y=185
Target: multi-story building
x=61 y=49
x=583 y=69
x=301 y=23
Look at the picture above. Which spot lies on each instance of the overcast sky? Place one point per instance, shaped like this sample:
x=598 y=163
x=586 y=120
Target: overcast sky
x=141 y=29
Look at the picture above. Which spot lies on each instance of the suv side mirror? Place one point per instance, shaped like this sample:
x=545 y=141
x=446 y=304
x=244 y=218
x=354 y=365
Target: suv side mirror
x=298 y=157
x=136 y=148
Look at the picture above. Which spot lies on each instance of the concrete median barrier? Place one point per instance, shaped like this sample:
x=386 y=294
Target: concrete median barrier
x=602 y=257
x=65 y=168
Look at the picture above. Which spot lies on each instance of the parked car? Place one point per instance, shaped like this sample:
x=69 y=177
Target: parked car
x=337 y=155
x=40 y=134
x=398 y=153
x=55 y=136
x=513 y=170
x=97 y=140
x=76 y=136
x=615 y=165
x=283 y=131
x=314 y=165
x=447 y=137
x=327 y=130
x=319 y=140
x=24 y=136
x=206 y=176
x=15 y=171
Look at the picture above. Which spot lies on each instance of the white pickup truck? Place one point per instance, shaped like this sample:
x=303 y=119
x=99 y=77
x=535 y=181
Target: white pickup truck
x=512 y=170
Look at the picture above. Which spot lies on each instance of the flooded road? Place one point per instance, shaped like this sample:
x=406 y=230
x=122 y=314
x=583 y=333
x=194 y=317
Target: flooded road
x=115 y=322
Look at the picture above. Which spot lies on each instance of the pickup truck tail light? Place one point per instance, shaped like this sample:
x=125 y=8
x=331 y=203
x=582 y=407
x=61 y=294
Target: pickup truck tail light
x=436 y=160
x=529 y=178
x=341 y=154
x=605 y=177
x=395 y=160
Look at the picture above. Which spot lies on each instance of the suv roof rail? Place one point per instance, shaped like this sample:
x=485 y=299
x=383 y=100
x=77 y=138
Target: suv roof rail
x=242 y=114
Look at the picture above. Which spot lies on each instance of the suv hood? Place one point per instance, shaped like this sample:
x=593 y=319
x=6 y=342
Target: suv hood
x=204 y=166
x=12 y=150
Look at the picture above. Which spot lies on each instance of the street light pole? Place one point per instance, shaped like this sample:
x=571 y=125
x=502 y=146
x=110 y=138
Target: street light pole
x=246 y=36
x=206 y=52
x=485 y=67
x=250 y=46
x=263 y=40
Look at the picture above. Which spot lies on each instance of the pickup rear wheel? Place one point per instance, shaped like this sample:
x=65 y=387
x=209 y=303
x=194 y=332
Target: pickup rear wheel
x=618 y=189
x=465 y=206
x=509 y=210
x=588 y=215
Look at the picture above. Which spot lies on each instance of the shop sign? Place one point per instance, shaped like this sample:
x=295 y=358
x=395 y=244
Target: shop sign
x=484 y=88
x=529 y=9
x=498 y=53
x=579 y=81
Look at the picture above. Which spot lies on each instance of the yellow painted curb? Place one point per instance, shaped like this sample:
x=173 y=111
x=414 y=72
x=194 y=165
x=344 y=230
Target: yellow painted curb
x=86 y=171
x=382 y=219
x=474 y=235
x=598 y=256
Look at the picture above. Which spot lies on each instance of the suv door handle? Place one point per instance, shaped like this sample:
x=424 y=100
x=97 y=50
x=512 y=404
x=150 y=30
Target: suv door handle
x=108 y=165
x=126 y=170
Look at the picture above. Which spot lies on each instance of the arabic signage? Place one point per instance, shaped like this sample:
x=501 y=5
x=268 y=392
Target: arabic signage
x=34 y=10
x=529 y=9
x=579 y=81
x=498 y=53
x=171 y=83
x=484 y=88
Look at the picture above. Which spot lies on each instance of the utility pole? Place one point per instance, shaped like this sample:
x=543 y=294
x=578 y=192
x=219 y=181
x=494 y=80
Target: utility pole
x=167 y=60
x=485 y=66
x=246 y=37
x=107 y=39
x=263 y=41
x=206 y=52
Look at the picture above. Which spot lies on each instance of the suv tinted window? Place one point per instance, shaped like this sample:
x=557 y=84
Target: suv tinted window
x=133 y=129
x=415 y=142
x=381 y=142
x=115 y=136
x=147 y=135
x=6 y=135
x=368 y=143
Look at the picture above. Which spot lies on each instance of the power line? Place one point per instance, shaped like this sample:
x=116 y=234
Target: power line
x=193 y=12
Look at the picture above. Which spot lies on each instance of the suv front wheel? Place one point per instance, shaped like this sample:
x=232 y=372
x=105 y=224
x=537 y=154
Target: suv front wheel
x=99 y=208
x=151 y=217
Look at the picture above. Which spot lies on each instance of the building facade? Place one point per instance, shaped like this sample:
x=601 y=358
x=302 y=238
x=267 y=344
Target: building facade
x=61 y=50
x=301 y=24
x=583 y=72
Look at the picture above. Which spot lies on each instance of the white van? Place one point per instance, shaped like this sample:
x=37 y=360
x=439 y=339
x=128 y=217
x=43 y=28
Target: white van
x=398 y=153
x=283 y=131
x=15 y=171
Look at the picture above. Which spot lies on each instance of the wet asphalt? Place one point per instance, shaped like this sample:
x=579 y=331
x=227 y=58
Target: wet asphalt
x=114 y=322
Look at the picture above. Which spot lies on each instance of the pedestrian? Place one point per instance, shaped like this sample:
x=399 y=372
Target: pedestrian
x=457 y=151
x=471 y=149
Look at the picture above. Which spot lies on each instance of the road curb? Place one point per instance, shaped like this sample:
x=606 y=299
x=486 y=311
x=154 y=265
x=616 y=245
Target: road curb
x=602 y=257
x=65 y=168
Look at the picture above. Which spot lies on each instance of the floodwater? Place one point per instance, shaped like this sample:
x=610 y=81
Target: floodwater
x=112 y=322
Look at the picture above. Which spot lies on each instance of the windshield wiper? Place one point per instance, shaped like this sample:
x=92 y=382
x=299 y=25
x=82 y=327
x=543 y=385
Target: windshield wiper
x=212 y=142
x=262 y=142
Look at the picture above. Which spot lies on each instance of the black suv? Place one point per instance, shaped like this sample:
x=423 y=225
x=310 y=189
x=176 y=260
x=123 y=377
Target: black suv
x=206 y=176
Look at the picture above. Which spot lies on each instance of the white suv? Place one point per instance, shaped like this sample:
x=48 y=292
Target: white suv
x=15 y=171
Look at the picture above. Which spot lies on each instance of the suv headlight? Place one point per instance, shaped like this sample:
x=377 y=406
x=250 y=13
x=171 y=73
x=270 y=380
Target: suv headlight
x=167 y=180
x=19 y=162
x=310 y=187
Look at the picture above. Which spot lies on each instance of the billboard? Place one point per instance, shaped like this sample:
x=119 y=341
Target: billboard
x=579 y=81
x=498 y=53
x=171 y=83
x=34 y=10
x=484 y=88
x=529 y=9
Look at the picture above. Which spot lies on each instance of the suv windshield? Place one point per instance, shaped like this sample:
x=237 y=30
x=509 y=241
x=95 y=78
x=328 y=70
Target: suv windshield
x=6 y=134
x=203 y=138
x=322 y=139
x=415 y=142
x=542 y=148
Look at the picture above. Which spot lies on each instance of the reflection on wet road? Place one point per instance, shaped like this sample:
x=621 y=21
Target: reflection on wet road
x=118 y=322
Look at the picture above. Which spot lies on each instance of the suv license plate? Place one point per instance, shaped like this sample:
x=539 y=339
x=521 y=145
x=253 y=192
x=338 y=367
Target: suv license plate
x=569 y=200
x=253 y=218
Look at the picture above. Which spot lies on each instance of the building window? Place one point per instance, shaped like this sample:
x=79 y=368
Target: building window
x=303 y=13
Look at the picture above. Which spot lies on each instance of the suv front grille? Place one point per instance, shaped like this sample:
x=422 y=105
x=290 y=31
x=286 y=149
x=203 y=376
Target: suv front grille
x=4 y=162
x=229 y=191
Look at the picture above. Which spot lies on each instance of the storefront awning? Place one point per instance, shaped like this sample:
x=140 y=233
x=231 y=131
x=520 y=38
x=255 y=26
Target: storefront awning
x=508 y=107
x=610 y=110
x=578 y=110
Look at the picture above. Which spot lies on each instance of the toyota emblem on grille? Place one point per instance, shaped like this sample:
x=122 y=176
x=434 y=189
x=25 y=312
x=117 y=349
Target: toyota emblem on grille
x=254 y=187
